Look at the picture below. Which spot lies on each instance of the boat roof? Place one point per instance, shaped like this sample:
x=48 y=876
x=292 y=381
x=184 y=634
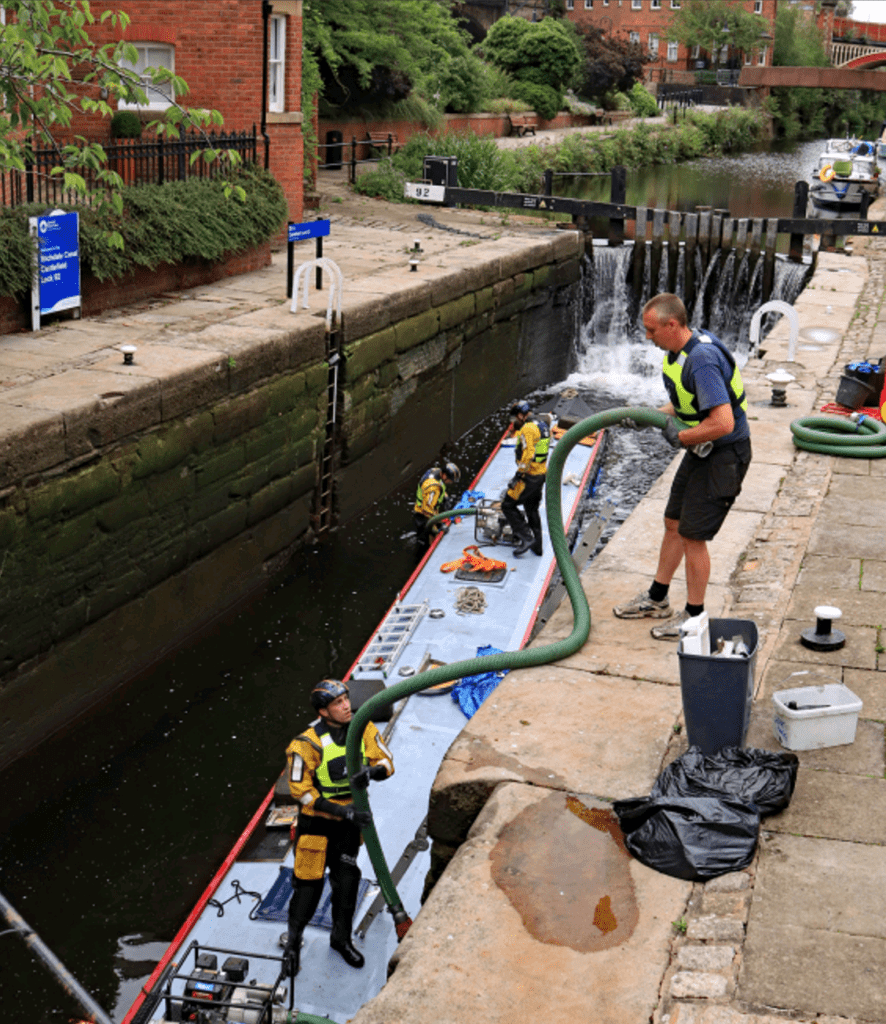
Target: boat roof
x=243 y=911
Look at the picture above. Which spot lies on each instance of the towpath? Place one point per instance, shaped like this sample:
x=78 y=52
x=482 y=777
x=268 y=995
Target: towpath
x=798 y=935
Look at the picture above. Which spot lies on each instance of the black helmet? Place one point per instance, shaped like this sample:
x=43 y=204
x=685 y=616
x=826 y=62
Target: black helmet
x=452 y=471
x=519 y=408
x=326 y=691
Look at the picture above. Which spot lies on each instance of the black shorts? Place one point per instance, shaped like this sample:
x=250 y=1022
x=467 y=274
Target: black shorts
x=704 y=490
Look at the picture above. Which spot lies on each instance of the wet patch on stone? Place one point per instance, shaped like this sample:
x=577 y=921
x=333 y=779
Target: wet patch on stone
x=564 y=867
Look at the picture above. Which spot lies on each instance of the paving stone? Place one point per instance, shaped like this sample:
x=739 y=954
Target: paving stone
x=706 y=958
x=735 y=881
x=698 y=985
x=720 y=929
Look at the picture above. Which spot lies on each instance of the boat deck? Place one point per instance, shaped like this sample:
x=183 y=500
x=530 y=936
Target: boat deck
x=422 y=625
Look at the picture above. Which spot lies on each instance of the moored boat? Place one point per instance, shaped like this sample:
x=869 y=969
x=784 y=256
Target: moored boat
x=846 y=173
x=226 y=958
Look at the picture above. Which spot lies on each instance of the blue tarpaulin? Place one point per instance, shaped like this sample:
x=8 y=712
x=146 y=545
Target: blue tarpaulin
x=471 y=691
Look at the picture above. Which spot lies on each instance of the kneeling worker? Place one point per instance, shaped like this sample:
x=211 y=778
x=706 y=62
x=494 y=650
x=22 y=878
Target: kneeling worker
x=527 y=486
x=430 y=499
x=328 y=830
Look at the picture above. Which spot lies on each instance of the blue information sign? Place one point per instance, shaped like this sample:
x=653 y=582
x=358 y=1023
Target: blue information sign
x=57 y=286
x=310 y=229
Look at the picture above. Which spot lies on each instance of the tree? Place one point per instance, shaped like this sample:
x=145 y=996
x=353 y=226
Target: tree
x=369 y=51
x=717 y=24
x=51 y=70
x=611 y=62
x=844 y=9
x=542 y=53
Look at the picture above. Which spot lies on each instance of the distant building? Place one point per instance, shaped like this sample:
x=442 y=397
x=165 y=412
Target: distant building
x=646 y=22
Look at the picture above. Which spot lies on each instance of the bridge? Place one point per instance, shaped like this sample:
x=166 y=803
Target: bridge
x=819 y=78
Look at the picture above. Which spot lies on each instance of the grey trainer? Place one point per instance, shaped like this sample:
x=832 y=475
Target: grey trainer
x=643 y=607
x=670 y=630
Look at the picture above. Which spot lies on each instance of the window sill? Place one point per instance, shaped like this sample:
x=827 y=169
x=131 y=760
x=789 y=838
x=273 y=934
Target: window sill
x=285 y=117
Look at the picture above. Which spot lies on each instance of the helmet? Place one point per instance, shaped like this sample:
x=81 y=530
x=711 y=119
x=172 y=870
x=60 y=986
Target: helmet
x=452 y=471
x=326 y=691
x=519 y=408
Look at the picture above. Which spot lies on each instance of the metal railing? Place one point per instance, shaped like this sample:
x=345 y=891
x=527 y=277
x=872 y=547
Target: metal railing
x=373 y=150
x=138 y=162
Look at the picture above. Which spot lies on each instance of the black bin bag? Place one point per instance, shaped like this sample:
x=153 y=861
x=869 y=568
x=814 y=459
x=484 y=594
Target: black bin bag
x=702 y=817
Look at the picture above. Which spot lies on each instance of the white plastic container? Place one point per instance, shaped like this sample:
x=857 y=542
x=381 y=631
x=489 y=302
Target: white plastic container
x=695 y=635
x=825 y=716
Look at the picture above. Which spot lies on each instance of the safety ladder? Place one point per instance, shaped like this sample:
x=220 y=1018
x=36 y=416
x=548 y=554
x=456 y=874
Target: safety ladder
x=323 y=515
x=382 y=652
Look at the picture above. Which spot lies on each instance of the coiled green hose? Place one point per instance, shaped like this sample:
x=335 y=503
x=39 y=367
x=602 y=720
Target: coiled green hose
x=495 y=662
x=835 y=435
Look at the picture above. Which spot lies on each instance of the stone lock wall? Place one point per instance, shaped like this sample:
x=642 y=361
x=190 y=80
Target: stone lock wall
x=128 y=525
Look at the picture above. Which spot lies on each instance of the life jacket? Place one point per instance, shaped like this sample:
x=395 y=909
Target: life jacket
x=542 y=445
x=684 y=402
x=422 y=505
x=331 y=776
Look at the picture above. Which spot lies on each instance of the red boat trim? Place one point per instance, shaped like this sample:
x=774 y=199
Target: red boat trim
x=401 y=594
x=584 y=479
x=199 y=907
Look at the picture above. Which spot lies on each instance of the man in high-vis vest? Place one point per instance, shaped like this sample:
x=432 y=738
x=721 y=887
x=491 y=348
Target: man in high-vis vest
x=706 y=392
x=430 y=500
x=533 y=437
x=328 y=830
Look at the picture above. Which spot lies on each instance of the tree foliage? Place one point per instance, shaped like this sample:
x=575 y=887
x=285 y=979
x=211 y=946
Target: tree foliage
x=50 y=70
x=544 y=53
x=611 y=62
x=375 y=50
x=715 y=24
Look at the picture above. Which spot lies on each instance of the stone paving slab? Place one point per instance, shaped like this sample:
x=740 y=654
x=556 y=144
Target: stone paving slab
x=859 y=608
x=859 y=652
x=534 y=954
x=833 y=806
x=816 y=938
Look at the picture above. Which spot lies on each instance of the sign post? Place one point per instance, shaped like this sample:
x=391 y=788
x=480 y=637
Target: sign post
x=57 y=279
x=299 y=233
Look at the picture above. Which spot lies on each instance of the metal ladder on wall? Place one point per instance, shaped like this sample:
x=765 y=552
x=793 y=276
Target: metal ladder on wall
x=325 y=498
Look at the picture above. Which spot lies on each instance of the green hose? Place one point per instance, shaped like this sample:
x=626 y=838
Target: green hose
x=834 y=435
x=495 y=662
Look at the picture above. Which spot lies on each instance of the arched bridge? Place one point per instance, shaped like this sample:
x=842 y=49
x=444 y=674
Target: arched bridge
x=819 y=78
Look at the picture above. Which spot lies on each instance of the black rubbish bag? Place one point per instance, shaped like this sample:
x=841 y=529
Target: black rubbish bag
x=694 y=837
x=764 y=778
x=702 y=817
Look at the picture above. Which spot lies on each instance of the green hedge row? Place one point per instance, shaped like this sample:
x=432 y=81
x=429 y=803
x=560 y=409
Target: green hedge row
x=159 y=224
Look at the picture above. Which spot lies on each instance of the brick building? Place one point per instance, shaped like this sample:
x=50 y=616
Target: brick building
x=218 y=47
x=646 y=22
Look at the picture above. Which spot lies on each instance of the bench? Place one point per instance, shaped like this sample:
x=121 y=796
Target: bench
x=387 y=141
x=611 y=116
x=522 y=124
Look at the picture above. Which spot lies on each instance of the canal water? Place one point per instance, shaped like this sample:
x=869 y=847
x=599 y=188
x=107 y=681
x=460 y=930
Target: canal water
x=110 y=833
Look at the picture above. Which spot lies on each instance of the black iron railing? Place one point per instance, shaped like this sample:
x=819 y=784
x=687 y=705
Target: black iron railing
x=152 y=161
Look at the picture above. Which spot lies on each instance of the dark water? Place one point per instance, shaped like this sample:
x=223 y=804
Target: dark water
x=110 y=833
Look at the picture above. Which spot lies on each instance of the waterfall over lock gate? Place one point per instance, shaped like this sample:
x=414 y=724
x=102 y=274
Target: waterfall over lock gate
x=610 y=343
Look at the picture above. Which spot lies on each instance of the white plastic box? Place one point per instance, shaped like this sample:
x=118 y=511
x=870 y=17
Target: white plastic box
x=826 y=716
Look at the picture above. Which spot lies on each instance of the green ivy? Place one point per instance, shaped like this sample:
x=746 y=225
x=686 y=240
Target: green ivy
x=159 y=224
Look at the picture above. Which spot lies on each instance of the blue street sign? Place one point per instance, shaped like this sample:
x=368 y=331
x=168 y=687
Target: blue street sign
x=57 y=284
x=310 y=229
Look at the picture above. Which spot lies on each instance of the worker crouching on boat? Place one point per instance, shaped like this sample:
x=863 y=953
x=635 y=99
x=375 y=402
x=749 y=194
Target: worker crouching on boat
x=431 y=500
x=328 y=831
x=527 y=486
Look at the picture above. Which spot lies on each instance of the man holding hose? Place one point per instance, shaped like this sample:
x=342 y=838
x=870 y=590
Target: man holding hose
x=706 y=392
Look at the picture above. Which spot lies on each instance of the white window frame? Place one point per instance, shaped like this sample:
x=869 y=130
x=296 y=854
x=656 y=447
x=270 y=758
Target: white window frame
x=636 y=5
x=675 y=5
x=763 y=54
x=653 y=45
x=277 y=64
x=655 y=5
x=151 y=55
x=696 y=52
x=634 y=37
x=673 y=50
x=570 y=5
x=758 y=6
x=589 y=5
x=748 y=59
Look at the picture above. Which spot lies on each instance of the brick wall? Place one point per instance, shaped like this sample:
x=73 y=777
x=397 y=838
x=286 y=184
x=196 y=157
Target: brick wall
x=219 y=52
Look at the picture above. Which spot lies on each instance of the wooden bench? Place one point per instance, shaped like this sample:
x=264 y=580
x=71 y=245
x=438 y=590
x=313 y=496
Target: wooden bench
x=522 y=124
x=387 y=141
x=612 y=116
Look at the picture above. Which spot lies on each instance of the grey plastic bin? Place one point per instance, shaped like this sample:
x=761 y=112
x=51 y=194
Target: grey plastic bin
x=718 y=692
